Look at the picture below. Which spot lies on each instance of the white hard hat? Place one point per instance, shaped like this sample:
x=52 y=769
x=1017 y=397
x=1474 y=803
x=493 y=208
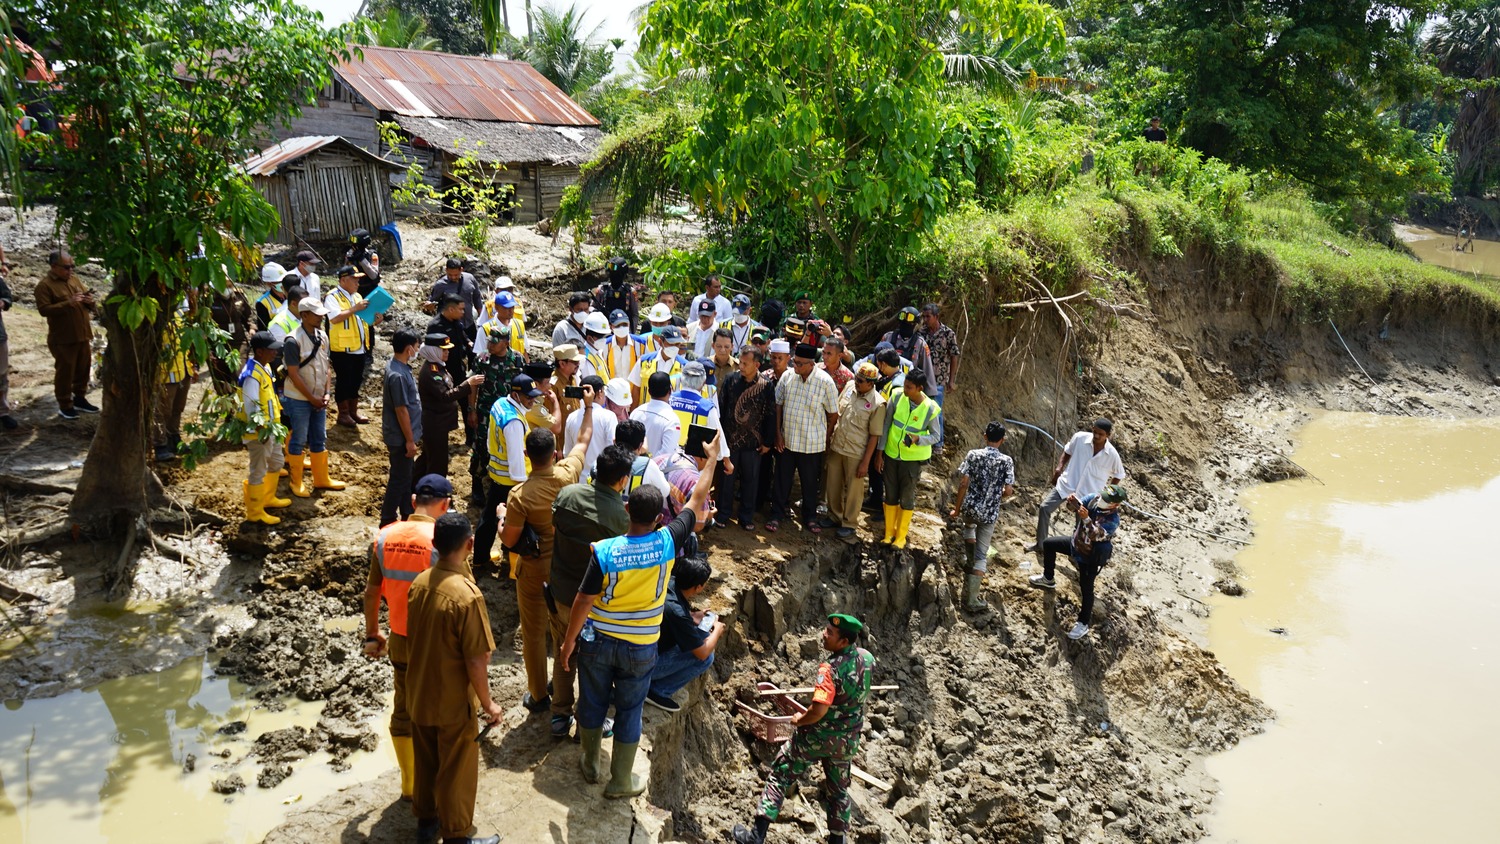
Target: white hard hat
x=272 y=273
x=504 y=283
x=660 y=313
x=597 y=323
x=618 y=391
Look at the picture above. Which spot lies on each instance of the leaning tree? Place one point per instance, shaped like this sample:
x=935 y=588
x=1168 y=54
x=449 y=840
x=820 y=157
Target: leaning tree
x=162 y=101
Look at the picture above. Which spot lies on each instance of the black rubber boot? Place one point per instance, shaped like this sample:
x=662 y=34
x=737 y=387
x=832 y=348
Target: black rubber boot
x=427 y=830
x=755 y=836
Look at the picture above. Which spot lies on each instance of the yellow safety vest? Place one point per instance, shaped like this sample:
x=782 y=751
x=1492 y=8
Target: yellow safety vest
x=691 y=409
x=635 y=349
x=287 y=322
x=892 y=389
x=348 y=335
x=636 y=572
x=181 y=367
x=501 y=414
x=270 y=406
x=908 y=421
x=649 y=364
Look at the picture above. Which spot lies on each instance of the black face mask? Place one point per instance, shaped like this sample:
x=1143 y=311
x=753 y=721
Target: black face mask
x=905 y=329
x=617 y=277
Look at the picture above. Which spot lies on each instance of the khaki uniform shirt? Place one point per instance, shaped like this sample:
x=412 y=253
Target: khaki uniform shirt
x=860 y=417
x=67 y=321
x=531 y=501
x=446 y=624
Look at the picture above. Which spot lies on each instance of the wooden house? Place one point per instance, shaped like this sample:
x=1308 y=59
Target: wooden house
x=447 y=105
x=323 y=187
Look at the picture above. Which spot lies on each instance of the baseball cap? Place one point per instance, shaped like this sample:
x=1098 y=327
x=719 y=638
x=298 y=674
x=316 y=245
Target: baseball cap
x=311 y=305
x=308 y=256
x=505 y=299
x=671 y=334
x=847 y=624
x=1112 y=494
x=504 y=283
x=272 y=273
x=265 y=340
x=695 y=368
x=741 y=301
x=780 y=346
x=348 y=270
x=567 y=351
x=524 y=385
x=659 y=313
x=438 y=339
x=618 y=317
x=707 y=306
x=434 y=486
x=618 y=391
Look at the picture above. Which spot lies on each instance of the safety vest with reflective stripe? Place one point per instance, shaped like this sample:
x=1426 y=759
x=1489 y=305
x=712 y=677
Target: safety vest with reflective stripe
x=403 y=550
x=636 y=571
x=649 y=364
x=501 y=414
x=270 y=406
x=347 y=335
x=916 y=421
x=592 y=365
x=286 y=321
x=637 y=476
x=738 y=336
x=892 y=389
x=692 y=409
x=634 y=347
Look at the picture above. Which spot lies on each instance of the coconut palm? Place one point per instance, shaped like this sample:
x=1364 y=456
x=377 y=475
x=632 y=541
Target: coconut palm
x=393 y=28
x=1466 y=46
x=571 y=57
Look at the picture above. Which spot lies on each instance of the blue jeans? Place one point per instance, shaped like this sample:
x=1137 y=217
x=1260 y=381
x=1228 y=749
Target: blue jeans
x=676 y=668
x=937 y=396
x=305 y=424
x=614 y=671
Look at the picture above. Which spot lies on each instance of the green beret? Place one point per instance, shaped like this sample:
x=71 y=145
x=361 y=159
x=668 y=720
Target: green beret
x=850 y=626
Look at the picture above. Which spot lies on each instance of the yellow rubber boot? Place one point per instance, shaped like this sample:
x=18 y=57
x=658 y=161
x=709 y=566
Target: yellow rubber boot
x=254 y=512
x=890 y=523
x=295 y=480
x=320 y=473
x=904 y=525
x=406 y=758
x=268 y=497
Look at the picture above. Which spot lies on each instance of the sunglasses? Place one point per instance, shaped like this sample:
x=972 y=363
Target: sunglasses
x=864 y=380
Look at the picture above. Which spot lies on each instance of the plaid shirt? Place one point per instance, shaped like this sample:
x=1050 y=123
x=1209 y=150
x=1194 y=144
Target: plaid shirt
x=805 y=405
x=943 y=346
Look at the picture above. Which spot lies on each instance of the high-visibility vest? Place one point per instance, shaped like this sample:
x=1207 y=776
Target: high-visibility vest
x=740 y=337
x=270 y=406
x=636 y=571
x=893 y=388
x=637 y=476
x=270 y=300
x=181 y=367
x=501 y=414
x=593 y=363
x=910 y=420
x=287 y=322
x=348 y=335
x=649 y=364
x=403 y=550
x=517 y=331
x=692 y=409
x=635 y=348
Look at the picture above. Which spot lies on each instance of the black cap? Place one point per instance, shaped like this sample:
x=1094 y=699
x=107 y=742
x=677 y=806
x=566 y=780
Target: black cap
x=309 y=256
x=264 y=340
x=438 y=339
x=806 y=352
x=348 y=270
x=707 y=306
x=434 y=486
x=524 y=385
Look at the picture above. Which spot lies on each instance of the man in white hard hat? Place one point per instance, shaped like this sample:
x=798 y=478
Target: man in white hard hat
x=596 y=329
x=657 y=319
x=269 y=302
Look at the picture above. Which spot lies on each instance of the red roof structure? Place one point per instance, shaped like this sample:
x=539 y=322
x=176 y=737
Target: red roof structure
x=422 y=83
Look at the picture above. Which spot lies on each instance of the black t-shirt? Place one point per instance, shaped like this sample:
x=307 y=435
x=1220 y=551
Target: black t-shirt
x=1158 y=135
x=678 y=629
x=681 y=528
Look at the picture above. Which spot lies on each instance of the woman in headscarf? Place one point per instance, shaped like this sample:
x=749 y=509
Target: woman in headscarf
x=440 y=401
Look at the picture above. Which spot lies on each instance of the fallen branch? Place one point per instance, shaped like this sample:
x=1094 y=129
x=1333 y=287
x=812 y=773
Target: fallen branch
x=11 y=594
x=20 y=484
x=1030 y=304
x=31 y=536
x=869 y=779
x=809 y=690
x=168 y=549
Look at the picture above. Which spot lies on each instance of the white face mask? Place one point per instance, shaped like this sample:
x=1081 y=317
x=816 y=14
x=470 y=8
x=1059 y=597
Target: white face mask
x=669 y=352
x=622 y=331
x=741 y=319
x=580 y=316
x=600 y=343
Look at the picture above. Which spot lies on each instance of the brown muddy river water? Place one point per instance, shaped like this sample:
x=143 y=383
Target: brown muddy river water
x=1436 y=247
x=106 y=764
x=1386 y=583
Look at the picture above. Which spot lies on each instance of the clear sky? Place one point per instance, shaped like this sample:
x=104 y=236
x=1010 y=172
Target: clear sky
x=614 y=14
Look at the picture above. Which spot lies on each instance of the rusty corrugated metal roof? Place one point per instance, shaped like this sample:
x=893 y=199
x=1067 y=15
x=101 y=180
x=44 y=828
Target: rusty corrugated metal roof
x=423 y=83
x=268 y=161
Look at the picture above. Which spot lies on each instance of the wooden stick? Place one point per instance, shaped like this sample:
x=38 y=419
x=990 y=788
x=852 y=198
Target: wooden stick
x=865 y=776
x=809 y=690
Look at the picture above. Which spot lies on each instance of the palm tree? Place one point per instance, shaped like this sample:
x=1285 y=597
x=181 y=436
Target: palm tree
x=570 y=57
x=1466 y=47
x=394 y=29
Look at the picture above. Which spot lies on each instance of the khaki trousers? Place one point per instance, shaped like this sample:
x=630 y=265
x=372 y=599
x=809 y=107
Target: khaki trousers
x=563 y=696
x=70 y=371
x=845 y=494
x=265 y=456
x=446 y=782
x=536 y=621
x=400 y=652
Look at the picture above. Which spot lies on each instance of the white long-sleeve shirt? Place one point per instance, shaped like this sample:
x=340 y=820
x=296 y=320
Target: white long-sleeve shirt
x=663 y=427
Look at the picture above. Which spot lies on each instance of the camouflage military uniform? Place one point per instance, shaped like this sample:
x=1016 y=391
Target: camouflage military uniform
x=843 y=684
x=497 y=371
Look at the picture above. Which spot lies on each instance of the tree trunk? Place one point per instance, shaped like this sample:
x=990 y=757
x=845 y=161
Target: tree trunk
x=117 y=484
x=528 y=22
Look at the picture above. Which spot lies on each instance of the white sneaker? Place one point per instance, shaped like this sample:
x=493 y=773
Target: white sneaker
x=1079 y=631
x=1042 y=581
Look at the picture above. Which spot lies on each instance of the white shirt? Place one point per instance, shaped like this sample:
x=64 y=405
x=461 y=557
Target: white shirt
x=311 y=283
x=604 y=435
x=724 y=309
x=1087 y=472
x=567 y=331
x=663 y=427
x=702 y=339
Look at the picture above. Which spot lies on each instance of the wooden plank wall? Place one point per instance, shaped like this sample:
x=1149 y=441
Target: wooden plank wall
x=327 y=195
x=352 y=121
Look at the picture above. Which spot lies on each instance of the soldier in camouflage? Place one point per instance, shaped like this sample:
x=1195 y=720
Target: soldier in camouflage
x=827 y=732
x=501 y=365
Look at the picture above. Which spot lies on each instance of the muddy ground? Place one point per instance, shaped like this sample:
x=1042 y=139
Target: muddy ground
x=1002 y=730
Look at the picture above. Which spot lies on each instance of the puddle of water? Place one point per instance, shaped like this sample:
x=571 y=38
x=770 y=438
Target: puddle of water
x=1387 y=583
x=1436 y=247
x=106 y=764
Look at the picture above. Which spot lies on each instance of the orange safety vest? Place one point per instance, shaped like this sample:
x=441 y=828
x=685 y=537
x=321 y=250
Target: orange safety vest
x=403 y=550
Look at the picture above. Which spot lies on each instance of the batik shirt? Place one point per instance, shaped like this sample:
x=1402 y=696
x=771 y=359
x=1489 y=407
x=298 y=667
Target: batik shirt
x=989 y=471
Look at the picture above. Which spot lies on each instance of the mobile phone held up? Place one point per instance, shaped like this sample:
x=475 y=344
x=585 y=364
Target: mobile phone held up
x=572 y=392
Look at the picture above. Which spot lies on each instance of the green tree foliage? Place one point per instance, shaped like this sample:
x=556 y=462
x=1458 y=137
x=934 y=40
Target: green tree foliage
x=456 y=24
x=1295 y=88
x=1466 y=46
x=165 y=101
x=822 y=119
x=395 y=28
x=570 y=56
